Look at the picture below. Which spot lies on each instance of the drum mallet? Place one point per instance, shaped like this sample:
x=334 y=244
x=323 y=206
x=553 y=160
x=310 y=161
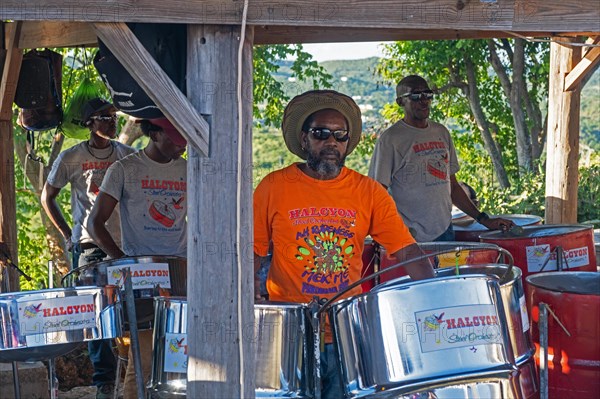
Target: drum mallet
x=133 y=331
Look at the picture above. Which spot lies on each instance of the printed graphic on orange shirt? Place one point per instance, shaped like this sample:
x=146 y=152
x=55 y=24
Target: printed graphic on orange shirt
x=325 y=252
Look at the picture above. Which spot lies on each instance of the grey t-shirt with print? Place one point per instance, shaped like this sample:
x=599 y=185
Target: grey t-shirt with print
x=85 y=172
x=416 y=164
x=152 y=200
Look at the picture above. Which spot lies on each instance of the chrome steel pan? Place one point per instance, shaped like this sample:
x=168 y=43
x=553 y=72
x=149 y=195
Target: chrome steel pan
x=42 y=324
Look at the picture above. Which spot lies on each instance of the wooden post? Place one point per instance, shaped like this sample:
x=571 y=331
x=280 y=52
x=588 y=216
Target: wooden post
x=220 y=295
x=563 y=137
x=8 y=206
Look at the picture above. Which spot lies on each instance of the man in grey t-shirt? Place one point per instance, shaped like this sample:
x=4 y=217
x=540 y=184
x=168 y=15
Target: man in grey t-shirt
x=150 y=187
x=83 y=167
x=416 y=160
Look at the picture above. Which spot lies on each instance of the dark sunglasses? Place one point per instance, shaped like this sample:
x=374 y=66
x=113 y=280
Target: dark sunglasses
x=419 y=95
x=104 y=118
x=321 y=133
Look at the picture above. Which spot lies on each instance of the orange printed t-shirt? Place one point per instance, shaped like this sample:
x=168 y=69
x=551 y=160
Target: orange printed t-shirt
x=318 y=229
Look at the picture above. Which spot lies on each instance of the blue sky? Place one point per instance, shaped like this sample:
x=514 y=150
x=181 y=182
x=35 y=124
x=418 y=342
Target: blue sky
x=343 y=51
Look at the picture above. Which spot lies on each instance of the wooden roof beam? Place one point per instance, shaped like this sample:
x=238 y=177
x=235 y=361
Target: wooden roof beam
x=36 y=34
x=584 y=68
x=156 y=83
x=510 y=15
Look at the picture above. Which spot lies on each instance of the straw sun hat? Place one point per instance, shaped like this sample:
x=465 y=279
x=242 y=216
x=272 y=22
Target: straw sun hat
x=303 y=105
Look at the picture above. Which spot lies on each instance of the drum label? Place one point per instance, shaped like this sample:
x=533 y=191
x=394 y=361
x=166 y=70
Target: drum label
x=143 y=275
x=538 y=255
x=57 y=314
x=459 y=326
x=524 y=315
x=176 y=357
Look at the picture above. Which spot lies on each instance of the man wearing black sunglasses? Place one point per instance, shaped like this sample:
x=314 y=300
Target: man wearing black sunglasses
x=416 y=160
x=317 y=214
x=83 y=167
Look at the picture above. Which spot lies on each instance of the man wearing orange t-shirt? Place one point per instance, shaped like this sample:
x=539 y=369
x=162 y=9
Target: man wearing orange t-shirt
x=317 y=214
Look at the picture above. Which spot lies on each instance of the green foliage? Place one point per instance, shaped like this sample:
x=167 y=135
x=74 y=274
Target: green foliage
x=270 y=95
x=588 y=194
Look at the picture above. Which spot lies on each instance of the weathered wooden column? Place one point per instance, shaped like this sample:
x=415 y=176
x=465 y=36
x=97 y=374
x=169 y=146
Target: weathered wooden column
x=563 y=136
x=220 y=298
x=8 y=206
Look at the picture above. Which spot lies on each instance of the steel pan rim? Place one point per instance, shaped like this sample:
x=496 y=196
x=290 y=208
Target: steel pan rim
x=569 y=275
x=404 y=283
x=500 y=235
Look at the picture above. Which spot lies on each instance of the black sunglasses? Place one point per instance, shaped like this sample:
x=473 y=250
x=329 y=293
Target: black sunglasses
x=321 y=133
x=419 y=95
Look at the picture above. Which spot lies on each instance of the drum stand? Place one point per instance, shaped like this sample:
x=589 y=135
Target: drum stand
x=15 y=367
x=133 y=331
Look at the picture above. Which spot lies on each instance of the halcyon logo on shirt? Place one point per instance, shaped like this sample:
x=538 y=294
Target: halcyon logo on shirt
x=320 y=212
x=95 y=165
x=164 y=185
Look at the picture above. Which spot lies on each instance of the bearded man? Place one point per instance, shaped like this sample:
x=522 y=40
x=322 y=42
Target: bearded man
x=317 y=214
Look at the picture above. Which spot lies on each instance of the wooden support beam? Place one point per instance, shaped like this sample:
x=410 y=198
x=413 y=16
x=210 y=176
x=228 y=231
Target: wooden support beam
x=563 y=137
x=220 y=253
x=10 y=74
x=560 y=15
x=583 y=69
x=8 y=207
x=155 y=82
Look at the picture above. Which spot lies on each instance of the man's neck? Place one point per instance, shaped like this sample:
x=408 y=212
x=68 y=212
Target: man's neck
x=154 y=154
x=96 y=141
x=418 y=123
x=307 y=170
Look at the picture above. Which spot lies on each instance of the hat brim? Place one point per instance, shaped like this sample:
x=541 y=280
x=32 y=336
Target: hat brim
x=304 y=105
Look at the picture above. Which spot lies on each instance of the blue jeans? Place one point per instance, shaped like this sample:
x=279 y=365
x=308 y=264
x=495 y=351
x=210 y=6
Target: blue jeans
x=447 y=235
x=100 y=351
x=331 y=379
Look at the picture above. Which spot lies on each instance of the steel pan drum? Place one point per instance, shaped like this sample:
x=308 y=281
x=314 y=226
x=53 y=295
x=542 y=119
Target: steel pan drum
x=573 y=361
x=48 y=323
x=470 y=230
x=502 y=385
x=479 y=254
x=408 y=333
x=284 y=350
x=169 y=349
x=536 y=249
x=149 y=272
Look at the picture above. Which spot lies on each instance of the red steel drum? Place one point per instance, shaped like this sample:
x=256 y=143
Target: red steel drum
x=573 y=362
x=539 y=245
x=469 y=230
x=374 y=254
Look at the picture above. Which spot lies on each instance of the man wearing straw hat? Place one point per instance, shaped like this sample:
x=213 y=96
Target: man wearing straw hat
x=317 y=214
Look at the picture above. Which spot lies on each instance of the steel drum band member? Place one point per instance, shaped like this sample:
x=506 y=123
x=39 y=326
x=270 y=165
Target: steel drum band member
x=83 y=166
x=150 y=187
x=317 y=214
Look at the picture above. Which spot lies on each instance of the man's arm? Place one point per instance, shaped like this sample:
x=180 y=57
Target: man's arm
x=257 y=262
x=418 y=270
x=464 y=203
x=103 y=208
x=48 y=198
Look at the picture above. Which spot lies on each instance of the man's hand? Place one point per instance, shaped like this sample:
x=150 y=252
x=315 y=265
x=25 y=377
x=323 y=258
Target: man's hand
x=498 y=224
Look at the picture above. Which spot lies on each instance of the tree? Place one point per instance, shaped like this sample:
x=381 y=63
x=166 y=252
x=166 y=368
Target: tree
x=471 y=76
